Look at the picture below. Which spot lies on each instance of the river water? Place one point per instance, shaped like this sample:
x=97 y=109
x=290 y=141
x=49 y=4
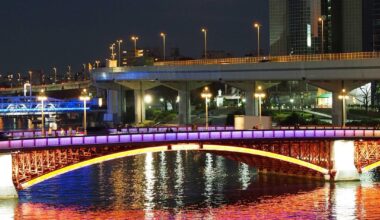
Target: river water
x=190 y=185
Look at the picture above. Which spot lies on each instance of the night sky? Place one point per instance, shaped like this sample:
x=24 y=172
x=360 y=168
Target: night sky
x=41 y=34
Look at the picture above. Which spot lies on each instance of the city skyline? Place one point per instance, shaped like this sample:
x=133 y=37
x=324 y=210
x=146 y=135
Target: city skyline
x=81 y=32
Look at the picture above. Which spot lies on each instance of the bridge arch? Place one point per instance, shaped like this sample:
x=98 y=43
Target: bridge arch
x=227 y=149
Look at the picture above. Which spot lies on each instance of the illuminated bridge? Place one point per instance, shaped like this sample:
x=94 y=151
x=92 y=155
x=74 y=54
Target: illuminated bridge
x=341 y=154
x=331 y=72
x=48 y=87
x=28 y=105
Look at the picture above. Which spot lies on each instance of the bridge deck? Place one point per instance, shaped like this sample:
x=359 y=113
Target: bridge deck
x=184 y=137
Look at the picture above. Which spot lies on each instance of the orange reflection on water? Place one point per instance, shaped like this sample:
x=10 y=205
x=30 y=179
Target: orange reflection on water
x=341 y=201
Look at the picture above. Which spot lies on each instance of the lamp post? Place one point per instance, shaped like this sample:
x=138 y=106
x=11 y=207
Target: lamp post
x=30 y=76
x=206 y=95
x=119 y=46
x=84 y=97
x=134 y=39
x=343 y=96
x=257 y=26
x=322 y=20
x=204 y=30
x=292 y=102
x=42 y=98
x=55 y=74
x=163 y=35
x=260 y=95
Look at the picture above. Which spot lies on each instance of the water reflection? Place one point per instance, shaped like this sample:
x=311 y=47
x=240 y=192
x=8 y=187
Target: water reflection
x=188 y=185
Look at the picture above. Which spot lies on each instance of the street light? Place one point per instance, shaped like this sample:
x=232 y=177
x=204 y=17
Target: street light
x=257 y=26
x=148 y=99
x=42 y=97
x=163 y=35
x=119 y=44
x=55 y=74
x=322 y=20
x=292 y=102
x=84 y=97
x=204 y=30
x=343 y=96
x=259 y=94
x=206 y=94
x=134 y=39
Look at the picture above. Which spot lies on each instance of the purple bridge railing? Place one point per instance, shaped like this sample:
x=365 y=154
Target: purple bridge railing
x=186 y=136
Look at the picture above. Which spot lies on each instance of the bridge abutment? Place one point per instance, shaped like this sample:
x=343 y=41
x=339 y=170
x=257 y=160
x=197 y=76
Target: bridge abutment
x=7 y=188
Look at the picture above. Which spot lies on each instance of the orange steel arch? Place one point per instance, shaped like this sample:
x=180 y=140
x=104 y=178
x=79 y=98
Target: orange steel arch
x=197 y=147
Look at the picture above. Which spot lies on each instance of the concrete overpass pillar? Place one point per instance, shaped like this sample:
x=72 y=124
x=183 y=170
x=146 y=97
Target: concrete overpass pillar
x=251 y=104
x=139 y=106
x=184 y=106
x=139 y=88
x=184 y=90
x=116 y=105
x=337 y=110
x=7 y=188
x=336 y=87
x=343 y=158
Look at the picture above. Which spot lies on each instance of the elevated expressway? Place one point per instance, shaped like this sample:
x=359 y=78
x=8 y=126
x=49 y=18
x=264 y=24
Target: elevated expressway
x=332 y=72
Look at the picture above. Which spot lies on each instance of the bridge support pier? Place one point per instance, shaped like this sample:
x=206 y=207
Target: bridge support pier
x=7 y=188
x=251 y=105
x=343 y=158
x=116 y=105
x=139 y=106
x=336 y=87
x=184 y=90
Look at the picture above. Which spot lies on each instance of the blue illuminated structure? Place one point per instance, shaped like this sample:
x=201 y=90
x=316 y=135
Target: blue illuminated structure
x=21 y=105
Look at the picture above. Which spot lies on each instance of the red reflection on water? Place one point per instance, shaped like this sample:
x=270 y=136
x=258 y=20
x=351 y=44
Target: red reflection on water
x=324 y=203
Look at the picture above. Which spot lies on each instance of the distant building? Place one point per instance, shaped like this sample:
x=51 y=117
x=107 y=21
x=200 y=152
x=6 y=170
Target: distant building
x=349 y=26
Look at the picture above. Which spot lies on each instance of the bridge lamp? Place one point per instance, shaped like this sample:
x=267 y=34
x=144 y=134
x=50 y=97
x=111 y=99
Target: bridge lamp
x=163 y=35
x=204 y=30
x=135 y=39
x=343 y=96
x=85 y=98
x=260 y=95
x=206 y=94
x=42 y=98
x=257 y=26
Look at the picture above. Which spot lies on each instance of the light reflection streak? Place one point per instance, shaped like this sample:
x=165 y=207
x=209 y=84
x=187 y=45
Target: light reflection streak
x=163 y=174
x=149 y=186
x=179 y=172
x=345 y=200
x=209 y=177
x=244 y=175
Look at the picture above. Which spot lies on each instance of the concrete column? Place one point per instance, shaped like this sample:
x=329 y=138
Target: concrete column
x=116 y=106
x=139 y=105
x=251 y=107
x=251 y=104
x=184 y=90
x=337 y=110
x=7 y=188
x=184 y=106
x=336 y=86
x=343 y=158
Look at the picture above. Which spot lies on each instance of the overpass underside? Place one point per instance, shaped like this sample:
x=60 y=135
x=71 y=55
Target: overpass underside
x=318 y=159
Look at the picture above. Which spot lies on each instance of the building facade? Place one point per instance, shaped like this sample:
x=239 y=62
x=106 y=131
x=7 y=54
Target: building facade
x=348 y=26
